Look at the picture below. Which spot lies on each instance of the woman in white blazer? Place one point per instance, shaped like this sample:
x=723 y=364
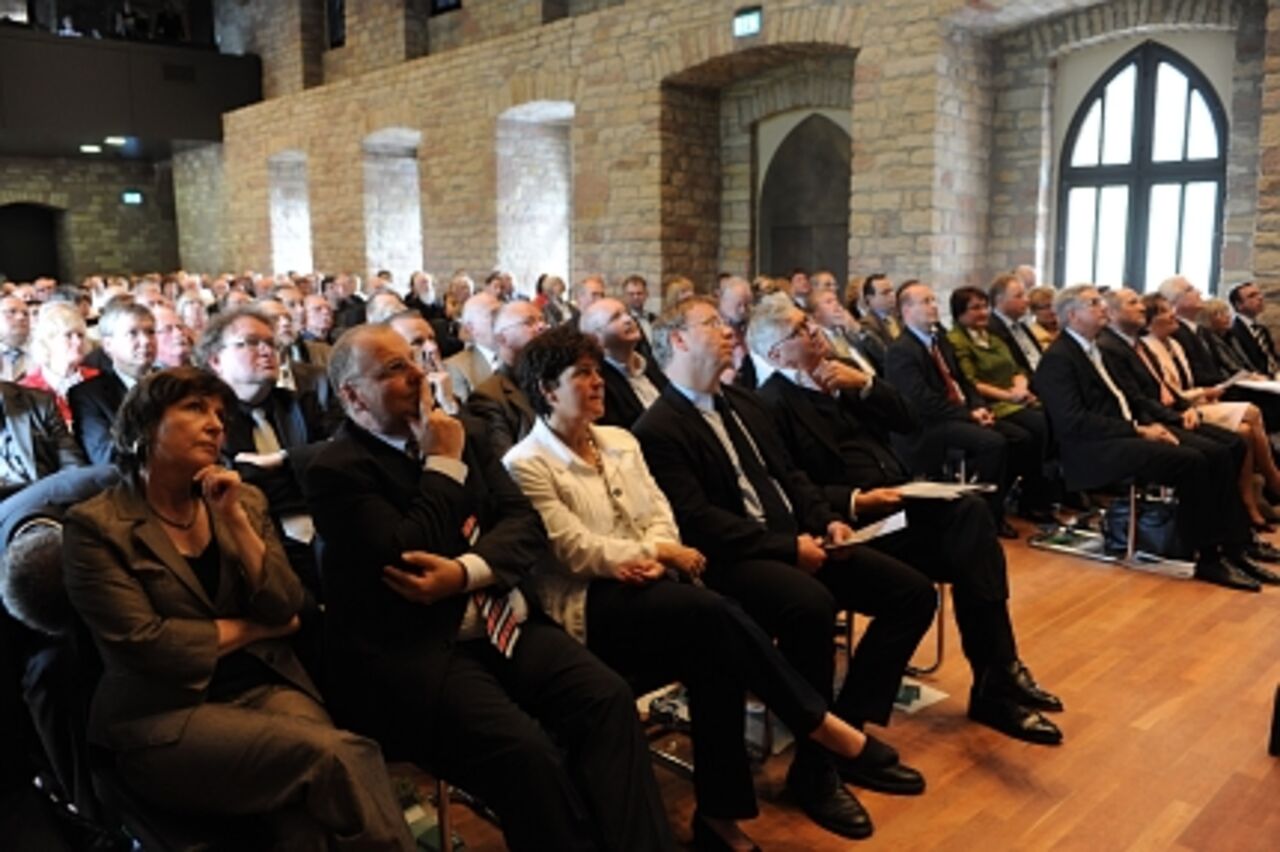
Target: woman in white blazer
x=629 y=589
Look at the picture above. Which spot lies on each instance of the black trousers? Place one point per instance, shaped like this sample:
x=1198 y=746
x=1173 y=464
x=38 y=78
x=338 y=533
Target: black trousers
x=1027 y=434
x=799 y=609
x=954 y=541
x=678 y=631
x=986 y=455
x=550 y=740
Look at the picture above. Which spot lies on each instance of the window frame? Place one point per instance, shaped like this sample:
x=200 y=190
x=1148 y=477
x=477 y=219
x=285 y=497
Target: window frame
x=1140 y=173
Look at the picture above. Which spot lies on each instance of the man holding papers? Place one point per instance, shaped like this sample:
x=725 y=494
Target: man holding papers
x=835 y=422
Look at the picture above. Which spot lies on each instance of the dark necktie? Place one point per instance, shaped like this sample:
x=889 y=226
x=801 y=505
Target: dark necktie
x=778 y=515
x=954 y=396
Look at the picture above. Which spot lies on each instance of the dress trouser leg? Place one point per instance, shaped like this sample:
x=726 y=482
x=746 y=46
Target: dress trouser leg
x=717 y=650
x=592 y=786
x=274 y=750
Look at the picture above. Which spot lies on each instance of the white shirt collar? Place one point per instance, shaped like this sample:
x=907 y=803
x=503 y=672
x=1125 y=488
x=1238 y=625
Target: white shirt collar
x=634 y=369
x=700 y=399
x=1087 y=345
x=489 y=355
x=763 y=369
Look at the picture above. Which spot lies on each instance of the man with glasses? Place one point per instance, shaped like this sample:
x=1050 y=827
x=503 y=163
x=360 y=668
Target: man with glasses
x=1103 y=438
x=268 y=432
x=774 y=544
x=835 y=421
x=129 y=339
x=439 y=653
x=498 y=400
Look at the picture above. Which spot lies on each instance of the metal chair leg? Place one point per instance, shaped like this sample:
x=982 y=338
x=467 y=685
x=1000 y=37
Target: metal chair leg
x=443 y=822
x=940 y=643
x=1131 y=540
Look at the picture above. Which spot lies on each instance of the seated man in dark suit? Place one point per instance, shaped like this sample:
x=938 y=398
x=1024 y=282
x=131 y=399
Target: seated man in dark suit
x=834 y=420
x=922 y=366
x=498 y=400
x=436 y=651
x=34 y=441
x=761 y=524
x=269 y=436
x=632 y=380
x=1008 y=306
x=849 y=342
x=1254 y=337
x=129 y=339
x=1103 y=437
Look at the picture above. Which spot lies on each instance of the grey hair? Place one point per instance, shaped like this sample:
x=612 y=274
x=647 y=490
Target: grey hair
x=1213 y=307
x=211 y=339
x=347 y=360
x=1173 y=288
x=116 y=312
x=770 y=323
x=1069 y=300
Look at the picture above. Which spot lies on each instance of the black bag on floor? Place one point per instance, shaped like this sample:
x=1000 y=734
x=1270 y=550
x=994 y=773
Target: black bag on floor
x=1157 y=531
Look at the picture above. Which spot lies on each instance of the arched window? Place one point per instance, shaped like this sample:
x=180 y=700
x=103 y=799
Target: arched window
x=1143 y=176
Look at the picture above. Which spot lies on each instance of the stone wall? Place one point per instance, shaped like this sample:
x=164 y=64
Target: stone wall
x=288 y=35
x=98 y=232
x=1023 y=170
x=535 y=192
x=482 y=20
x=291 y=249
x=392 y=212
x=818 y=81
x=951 y=174
x=200 y=202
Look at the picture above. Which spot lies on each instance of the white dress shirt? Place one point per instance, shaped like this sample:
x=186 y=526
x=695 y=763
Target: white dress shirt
x=644 y=389
x=594 y=523
x=1094 y=355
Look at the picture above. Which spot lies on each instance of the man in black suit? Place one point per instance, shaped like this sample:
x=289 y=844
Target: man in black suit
x=1254 y=337
x=922 y=366
x=738 y=498
x=849 y=342
x=129 y=340
x=632 y=380
x=834 y=419
x=498 y=400
x=269 y=436
x=437 y=651
x=1104 y=437
x=34 y=441
x=1008 y=306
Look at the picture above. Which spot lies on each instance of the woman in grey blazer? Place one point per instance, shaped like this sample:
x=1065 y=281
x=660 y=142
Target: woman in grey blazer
x=189 y=598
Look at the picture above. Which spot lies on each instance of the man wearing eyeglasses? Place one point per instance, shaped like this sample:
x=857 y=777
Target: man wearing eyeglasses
x=268 y=433
x=498 y=400
x=774 y=544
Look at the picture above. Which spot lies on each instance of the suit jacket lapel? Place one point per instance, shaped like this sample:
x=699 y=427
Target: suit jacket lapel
x=689 y=413
x=798 y=399
x=19 y=417
x=148 y=532
x=516 y=398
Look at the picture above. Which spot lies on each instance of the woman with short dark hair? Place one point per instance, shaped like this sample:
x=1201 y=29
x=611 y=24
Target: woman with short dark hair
x=625 y=586
x=187 y=593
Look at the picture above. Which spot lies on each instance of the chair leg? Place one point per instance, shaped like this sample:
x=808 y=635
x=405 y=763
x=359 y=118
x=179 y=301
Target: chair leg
x=1131 y=539
x=940 y=641
x=1274 y=750
x=442 y=816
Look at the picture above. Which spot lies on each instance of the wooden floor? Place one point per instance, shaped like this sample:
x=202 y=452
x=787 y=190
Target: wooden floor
x=1168 y=686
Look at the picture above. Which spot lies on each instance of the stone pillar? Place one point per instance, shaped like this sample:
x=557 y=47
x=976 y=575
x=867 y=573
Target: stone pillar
x=200 y=200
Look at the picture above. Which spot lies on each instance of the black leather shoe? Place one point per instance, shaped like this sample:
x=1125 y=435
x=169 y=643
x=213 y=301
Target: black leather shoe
x=827 y=802
x=1245 y=565
x=1011 y=718
x=1261 y=551
x=1031 y=694
x=878 y=768
x=1222 y=573
x=707 y=839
